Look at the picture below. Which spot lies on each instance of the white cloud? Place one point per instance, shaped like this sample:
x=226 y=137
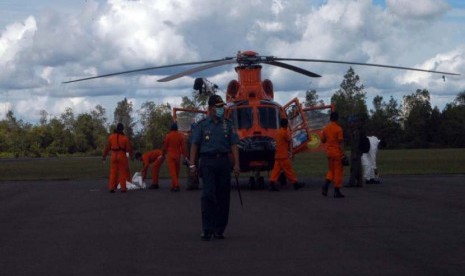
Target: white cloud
x=453 y=61
x=13 y=37
x=39 y=52
x=31 y=107
x=270 y=26
x=4 y=108
x=419 y=9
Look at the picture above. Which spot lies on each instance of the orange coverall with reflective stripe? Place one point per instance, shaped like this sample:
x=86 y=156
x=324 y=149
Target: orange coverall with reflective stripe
x=119 y=145
x=282 y=161
x=175 y=146
x=155 y=157
x=332 y=137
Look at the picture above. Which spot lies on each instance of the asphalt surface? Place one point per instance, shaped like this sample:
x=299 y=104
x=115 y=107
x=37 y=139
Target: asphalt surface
x=408 y=225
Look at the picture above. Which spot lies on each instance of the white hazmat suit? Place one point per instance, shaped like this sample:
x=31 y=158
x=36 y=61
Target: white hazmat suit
x=369 y=161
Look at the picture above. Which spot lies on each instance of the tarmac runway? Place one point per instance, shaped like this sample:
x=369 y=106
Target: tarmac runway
x=408 y=225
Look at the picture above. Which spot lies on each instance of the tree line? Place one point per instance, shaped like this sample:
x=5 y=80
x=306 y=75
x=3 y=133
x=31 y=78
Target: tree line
x=83 y=134
x=413 y=123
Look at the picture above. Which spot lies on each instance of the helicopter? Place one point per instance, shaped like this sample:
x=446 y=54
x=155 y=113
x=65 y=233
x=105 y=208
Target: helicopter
x=251 y=107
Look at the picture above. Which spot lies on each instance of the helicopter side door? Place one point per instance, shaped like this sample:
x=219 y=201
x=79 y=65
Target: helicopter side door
x=297 y=124
x=317 y=118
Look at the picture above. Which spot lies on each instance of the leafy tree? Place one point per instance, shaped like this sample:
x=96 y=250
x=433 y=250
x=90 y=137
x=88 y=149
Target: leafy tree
x=433 y=130
x=4 y=137
x=417 y=111
x=16 y=133
x=200 y=97
x=123 y=114
x=99 y=124
x=85 y=137
x=460 y=99
x=43 y=117
x=155 y=120
x=311 y=98
x=384 y=121
x=11 y=120
x=452 y=128
x=63 y=140
x=349 y=100
x=188 y=103
x=68 y=119
x=41 y=138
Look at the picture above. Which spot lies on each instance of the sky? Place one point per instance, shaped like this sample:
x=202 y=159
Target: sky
x=44 y=43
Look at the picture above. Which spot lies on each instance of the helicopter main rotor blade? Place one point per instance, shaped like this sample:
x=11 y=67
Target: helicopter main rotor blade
x=144 y=69
x=293 y=68
x=198 y=69
x=367 y=64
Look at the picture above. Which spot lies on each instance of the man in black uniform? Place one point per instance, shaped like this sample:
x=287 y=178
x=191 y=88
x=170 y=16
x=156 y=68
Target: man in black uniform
x=216 y=139
x=192 y=179
x=356 y=132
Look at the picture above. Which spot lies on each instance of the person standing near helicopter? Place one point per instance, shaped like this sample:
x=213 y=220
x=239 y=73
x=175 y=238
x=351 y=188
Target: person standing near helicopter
x=215 y=139
x=282 y=160
x=333 y=138
x=119 y=145
x=174 y=146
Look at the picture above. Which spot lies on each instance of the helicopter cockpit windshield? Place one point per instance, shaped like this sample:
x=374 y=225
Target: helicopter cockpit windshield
x=268 y=117
x=242 y=117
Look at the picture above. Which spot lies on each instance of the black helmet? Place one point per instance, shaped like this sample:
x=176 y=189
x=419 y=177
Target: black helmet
x=119 y=128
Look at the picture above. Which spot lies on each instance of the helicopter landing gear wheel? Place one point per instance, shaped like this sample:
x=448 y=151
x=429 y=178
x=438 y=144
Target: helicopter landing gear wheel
x=252 y=183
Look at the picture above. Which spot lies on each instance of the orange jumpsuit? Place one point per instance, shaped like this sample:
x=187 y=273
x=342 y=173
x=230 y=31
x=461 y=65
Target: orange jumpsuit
x=332 y=137
x=174 y=146
x=282 y=161
x=154 y=157
x=119 y=145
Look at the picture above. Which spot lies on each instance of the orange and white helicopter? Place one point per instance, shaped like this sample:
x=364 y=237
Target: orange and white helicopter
x=251 y=107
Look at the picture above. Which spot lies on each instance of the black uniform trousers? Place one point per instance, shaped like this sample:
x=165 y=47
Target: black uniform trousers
x=216 y=191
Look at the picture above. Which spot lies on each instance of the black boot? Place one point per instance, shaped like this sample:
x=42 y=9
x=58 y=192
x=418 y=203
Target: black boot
x=324 y=189
x=154 y=186
x=298 y=185
x=337 y=193
x=206 y=236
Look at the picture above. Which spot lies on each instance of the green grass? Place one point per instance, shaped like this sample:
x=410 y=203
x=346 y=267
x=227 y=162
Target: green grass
x=390 y=162
x=393 y=162
x=73 y=168
x=431 y=161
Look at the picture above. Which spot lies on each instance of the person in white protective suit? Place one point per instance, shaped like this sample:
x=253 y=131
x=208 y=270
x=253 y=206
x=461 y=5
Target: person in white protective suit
x=370 y=171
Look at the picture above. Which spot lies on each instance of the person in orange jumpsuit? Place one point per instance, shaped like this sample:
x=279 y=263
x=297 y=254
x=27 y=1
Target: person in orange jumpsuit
x=119 y=146
x=282 y=158
x=332 y=137
x=174 y=146
x=156 y=157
